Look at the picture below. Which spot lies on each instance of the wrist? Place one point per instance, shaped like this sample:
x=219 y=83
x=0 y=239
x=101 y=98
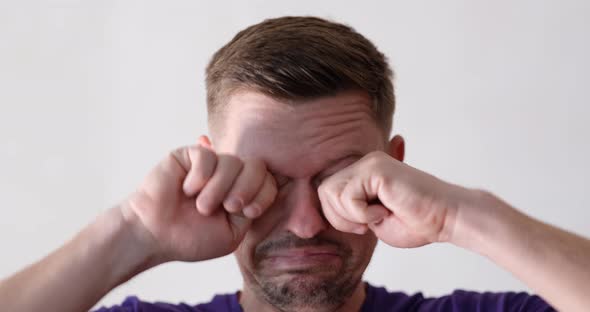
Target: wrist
x=481 y=220
x=127 y=249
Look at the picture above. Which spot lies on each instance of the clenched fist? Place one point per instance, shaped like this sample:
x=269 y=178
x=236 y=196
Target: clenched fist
x=197 y=204
x=403 y=206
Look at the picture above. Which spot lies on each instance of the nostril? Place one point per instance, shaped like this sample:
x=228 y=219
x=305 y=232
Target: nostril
x=307 y=224
x=305 y=217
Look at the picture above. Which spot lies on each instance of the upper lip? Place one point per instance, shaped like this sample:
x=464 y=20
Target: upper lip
x=305 y=251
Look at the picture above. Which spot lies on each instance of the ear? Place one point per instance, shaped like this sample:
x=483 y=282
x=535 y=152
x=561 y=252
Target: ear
x=204 y=141
x=397 y=148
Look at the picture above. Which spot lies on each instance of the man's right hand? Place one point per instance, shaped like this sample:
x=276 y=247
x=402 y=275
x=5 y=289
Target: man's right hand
x=181 y=211
x=197 y=204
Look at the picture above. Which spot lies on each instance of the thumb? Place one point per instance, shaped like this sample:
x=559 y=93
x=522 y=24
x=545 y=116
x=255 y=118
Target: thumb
x=396 y=233
x=375 y=213
x=239 y=226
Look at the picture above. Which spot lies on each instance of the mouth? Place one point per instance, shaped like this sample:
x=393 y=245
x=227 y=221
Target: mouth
x=303 y=259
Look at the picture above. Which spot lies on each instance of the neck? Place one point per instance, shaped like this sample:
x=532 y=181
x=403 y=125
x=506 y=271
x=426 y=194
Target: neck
x=251 y=302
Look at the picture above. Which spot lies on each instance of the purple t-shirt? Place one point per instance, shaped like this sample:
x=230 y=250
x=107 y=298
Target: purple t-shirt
x=377 y=299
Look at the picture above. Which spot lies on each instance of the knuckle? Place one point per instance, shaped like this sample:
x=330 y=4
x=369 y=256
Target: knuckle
x=179 y=151
x=323 y=189
x=198 y=180
x=373 y=159
x=202 y=154
x=231 y=158
x=340 y=226
x=328 y=189
x=201 y=159
x=255 y=163
x=200 y=175
x=232 y=161
x=322 y=199
x=198 y=154
x=171 y=158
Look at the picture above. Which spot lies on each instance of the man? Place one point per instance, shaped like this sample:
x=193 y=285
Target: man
x=299 y=180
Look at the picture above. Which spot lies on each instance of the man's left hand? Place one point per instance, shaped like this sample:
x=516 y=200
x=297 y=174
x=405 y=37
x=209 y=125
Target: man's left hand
x=403 y=206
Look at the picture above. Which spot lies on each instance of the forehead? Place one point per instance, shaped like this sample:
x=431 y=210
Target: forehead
x=297 y=139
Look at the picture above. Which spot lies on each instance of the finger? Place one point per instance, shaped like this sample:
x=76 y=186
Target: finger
x=172 y=170
x=354 y=200
x=180 y=157
x=332 y=192
x=394 y=232
x=227 y=169
x=264 y=199
x=335 y=219
x=246 y=185
x=202 y=165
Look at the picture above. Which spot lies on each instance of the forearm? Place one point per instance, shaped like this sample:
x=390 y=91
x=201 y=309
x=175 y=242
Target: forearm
x=552 y=262
x=77 y=275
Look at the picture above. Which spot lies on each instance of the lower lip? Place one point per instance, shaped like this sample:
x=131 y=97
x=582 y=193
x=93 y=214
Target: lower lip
x=303 y=262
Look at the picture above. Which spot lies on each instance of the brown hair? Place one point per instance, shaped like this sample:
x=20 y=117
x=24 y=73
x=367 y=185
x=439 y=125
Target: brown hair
x=298 y=58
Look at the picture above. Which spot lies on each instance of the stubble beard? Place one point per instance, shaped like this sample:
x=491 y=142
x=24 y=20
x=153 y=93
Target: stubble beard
x=322 y=289
x=300 y=294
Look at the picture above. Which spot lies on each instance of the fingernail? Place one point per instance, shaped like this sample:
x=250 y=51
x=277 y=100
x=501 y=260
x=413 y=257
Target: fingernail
x=361 y=230
x=232 y=204
x=250 y=212
x=239 y=221
x=376 y=214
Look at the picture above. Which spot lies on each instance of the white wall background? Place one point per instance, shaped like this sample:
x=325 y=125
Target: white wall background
x=492 y=94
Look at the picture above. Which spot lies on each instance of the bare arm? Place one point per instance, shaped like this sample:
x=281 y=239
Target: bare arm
x=74 y=277
x=163 y=221
x=415 y=209
x=553 y=262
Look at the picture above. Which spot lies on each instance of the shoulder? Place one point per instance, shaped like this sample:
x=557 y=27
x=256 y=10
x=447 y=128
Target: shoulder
x=502 y=301
x=134 y=304
x=379 y=299
x=219 y=303
x=463 y=300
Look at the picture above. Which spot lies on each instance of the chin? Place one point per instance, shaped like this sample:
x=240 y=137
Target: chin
x=300 y=291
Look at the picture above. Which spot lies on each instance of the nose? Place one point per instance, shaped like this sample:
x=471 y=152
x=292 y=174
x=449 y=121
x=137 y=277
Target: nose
x=305 y=218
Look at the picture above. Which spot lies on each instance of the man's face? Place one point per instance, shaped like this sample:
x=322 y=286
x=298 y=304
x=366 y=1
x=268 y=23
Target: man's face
x=292 y=257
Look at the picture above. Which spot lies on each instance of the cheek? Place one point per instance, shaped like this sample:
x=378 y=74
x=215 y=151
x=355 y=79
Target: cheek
x=272 y=218
x=260 y=230
x=362 y=245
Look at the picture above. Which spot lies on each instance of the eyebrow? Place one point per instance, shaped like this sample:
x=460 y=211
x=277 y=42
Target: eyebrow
x=331 y=163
